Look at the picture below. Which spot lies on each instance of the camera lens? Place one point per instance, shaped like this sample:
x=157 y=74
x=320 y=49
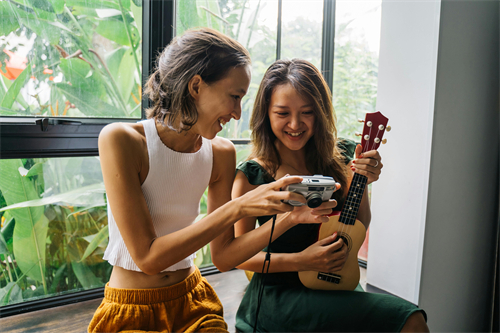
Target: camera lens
x=314 y=200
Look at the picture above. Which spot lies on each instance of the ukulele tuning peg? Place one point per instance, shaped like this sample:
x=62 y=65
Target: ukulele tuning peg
x=358 y=134
x=361 y=120
x=388 y=128
x=384 y=141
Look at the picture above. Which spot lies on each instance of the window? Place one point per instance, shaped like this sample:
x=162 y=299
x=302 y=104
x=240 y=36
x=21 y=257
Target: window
x=67 y=68
x=70 y=67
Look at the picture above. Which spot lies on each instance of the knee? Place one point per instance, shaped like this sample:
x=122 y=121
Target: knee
x=415 y=323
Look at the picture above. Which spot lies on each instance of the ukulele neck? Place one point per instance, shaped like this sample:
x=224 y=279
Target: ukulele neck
x=353 y=200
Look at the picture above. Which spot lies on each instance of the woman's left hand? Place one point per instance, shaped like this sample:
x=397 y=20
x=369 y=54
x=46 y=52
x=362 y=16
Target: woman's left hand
x=368 y=164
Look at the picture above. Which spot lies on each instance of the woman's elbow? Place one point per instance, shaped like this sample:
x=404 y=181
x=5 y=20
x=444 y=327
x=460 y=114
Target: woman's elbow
x=221 y=264
x=148 y=267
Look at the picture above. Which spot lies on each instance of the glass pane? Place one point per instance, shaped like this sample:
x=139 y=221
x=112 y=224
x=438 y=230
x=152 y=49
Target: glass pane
x=53 y=227
x=203 y=257
x=252 y=23
x=301 y=32
x=71 y=58
x=357 y=41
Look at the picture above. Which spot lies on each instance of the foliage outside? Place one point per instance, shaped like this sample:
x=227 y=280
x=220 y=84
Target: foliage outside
x=83 y=61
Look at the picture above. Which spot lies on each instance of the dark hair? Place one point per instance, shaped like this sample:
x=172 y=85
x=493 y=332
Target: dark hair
x=205 y=52
x=322 y=154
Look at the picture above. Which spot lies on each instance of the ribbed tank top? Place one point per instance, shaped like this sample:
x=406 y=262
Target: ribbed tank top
x=173 y=188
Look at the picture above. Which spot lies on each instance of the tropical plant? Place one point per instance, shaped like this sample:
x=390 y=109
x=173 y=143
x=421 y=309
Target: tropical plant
x=84 y=60
x=54 y=227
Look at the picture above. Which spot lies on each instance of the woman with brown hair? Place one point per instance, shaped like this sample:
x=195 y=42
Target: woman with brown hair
x=294 y=132
x=155 y=173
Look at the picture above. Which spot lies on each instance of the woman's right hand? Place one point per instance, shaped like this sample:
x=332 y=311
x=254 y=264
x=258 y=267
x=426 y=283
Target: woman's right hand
x=268 y=199
x=326 y=255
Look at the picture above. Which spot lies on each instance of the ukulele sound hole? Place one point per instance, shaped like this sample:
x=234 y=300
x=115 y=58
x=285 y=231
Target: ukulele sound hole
x=347 y=240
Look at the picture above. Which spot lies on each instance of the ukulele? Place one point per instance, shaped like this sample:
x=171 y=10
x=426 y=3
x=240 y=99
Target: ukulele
x=351 y=230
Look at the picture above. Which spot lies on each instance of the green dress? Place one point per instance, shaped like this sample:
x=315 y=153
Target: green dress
x=288 y=306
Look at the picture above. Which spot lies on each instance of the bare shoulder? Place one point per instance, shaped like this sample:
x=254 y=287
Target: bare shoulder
x=122 y=135
x=222 y=146
x=121 y=143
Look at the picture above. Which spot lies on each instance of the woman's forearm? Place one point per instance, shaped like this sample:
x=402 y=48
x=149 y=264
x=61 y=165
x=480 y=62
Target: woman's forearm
x=280 y=262
x=229 y=251
x=167 y=250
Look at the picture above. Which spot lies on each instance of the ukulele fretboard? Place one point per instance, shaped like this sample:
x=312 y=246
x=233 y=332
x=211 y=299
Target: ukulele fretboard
x=353 y=200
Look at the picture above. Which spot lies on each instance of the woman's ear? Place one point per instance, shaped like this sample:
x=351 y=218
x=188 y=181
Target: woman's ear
x=194 y=86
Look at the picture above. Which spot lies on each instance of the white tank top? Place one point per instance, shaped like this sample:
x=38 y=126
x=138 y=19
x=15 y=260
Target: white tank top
x=172 y=189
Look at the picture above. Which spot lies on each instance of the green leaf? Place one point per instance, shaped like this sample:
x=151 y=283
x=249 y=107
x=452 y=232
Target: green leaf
x=87 y=102
x=100 y=237
x=43 y=23
x=80 y=75
x=15 y=88
x=30 y=231
x=59 y=274
x=8 y=229
x=10 y=292
x=125 y=4
x=3 y=245
x=94 y=4
x=115 y=30
x=83 y=273
x=85 y=208
x=58 y=6
x=137 y=12
x=35 y=170
x=122 y=67
x=83 y=196
x=8 y=21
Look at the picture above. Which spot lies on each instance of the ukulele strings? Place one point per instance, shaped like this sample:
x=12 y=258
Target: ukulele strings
x=346 y=228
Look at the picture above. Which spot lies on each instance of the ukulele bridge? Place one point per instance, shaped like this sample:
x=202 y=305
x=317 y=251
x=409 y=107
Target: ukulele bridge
x=329 y=277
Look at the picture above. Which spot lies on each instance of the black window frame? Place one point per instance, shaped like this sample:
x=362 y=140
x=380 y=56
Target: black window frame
x=49 y=137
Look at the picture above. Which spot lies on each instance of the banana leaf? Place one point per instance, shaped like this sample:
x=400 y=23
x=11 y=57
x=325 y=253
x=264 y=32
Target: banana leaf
x=100 y=237
x=121 y=66
x=84 y=196
x=82 y=272
x=30 y=231
x=11 y=293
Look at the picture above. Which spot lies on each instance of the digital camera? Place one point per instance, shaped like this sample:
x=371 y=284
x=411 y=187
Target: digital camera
x=315 y=189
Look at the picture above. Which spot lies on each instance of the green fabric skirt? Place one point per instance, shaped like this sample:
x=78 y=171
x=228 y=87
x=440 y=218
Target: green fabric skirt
x=295 y=308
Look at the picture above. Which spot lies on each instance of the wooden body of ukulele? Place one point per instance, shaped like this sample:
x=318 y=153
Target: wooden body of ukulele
x=347 y=278
x=351 y=230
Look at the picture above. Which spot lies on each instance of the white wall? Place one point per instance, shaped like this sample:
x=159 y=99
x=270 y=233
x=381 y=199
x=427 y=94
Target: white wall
x=406 y=92
x=435 y=209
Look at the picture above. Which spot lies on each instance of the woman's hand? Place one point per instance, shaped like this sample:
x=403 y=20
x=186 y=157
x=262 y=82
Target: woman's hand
x=304 y=214
x=368 y=164
x=268 y=199
x=326 y=255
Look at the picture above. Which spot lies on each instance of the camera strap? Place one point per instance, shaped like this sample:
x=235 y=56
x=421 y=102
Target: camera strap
x=264 y=272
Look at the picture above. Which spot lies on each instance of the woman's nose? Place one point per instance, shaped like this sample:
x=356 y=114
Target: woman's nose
x=295 y=122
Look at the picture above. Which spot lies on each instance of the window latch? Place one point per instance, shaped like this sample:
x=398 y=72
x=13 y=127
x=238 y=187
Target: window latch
x=44 y=123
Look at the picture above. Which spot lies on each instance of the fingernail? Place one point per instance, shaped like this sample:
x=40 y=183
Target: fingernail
x=353 y=161
x=360 y=155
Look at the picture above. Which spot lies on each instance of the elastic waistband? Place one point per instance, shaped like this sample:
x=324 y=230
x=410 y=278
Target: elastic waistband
x=156 y=295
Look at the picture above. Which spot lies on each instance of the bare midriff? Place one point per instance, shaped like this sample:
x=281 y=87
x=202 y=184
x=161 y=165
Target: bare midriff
x=125 y=279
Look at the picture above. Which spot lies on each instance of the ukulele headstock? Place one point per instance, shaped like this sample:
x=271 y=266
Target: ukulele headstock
x=375 y=125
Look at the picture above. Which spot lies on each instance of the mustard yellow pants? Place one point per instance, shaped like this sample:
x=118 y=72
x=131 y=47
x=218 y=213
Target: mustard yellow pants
x=189 y=306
